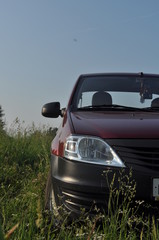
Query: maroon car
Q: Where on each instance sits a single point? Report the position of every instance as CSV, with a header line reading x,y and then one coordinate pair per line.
x,y
111,123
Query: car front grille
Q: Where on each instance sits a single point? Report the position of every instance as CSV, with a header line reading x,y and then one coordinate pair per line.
x,y
140,154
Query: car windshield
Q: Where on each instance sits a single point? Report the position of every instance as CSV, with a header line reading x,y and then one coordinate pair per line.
x,y
117,92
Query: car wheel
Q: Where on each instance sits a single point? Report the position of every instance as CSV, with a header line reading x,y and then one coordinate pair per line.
x,y
50,203
56,212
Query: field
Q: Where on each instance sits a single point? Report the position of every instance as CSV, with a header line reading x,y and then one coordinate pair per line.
x,y
24,164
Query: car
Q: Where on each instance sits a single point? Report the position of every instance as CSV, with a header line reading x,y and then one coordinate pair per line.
x,y
110,124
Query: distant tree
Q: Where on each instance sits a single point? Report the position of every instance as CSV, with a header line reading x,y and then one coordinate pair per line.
x,y
1,118
52,131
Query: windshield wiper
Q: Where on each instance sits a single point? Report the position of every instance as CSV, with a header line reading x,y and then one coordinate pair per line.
x,y
114,107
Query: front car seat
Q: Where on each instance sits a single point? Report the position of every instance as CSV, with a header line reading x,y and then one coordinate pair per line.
x,y
101,98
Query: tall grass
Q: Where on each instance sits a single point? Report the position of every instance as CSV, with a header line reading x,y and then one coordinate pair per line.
x,y
24,164
24,161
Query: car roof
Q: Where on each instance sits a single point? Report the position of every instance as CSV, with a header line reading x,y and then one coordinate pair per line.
x,y
139,74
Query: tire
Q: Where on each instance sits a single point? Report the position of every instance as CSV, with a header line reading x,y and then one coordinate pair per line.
x,y
50,203
56,212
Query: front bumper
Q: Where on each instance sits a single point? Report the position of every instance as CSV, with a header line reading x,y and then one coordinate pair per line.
x,y
80,185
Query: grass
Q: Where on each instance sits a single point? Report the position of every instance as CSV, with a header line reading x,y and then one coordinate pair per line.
x,y
24,164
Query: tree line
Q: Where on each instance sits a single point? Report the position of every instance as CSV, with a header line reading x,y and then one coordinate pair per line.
x,y
2,123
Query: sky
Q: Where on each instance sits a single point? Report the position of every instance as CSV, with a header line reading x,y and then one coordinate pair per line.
x,y
46,45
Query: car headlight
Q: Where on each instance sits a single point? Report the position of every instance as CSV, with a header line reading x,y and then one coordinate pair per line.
x,y
91,150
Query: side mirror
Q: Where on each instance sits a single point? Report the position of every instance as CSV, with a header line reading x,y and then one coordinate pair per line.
x,y
51,110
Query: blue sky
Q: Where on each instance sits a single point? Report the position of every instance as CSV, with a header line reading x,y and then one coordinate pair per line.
x,y
46,45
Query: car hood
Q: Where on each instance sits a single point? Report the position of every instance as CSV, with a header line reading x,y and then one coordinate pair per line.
x,y
116,124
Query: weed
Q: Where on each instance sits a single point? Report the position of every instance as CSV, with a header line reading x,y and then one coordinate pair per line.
x,y
24,164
